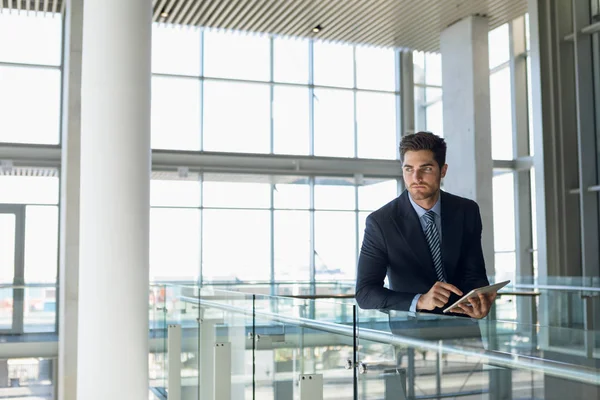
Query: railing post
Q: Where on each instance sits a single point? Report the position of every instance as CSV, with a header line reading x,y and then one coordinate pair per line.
x,y
311,387
174,359
222,382
207,357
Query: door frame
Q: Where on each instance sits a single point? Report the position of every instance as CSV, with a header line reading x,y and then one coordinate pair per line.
x,y
19,273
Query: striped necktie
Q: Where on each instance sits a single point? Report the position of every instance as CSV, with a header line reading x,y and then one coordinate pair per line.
x,y
433,240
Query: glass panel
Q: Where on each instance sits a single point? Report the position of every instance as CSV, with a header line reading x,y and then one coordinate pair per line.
x,y
335,245
28,190
419,67
6,299
530,107
174,244
375,68
290,120
362,220
333,64
27,92
236,55
504,212
335,194
40,310
433,69
290,59
232,191
175,113
41,244
506,266
501,115
292,194
499,46
35,38
435,118
175,193
376,121
236,117
292,245
28,378
375,193
157,315
175,49
334,123
7,256
249,231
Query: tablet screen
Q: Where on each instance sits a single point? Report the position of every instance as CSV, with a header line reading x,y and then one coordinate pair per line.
x,y
484,289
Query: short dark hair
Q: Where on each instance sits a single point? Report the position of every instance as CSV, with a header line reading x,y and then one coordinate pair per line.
x,y
424,141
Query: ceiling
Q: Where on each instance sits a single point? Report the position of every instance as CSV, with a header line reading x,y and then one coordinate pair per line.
x,y
407,24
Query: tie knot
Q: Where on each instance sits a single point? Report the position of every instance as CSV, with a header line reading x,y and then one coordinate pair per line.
x,y
430,216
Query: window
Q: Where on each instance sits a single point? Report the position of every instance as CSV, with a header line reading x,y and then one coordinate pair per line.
x,y
236,117
335,245
290,59
175,113
375,69
175,193
376,123
501,115
504,225
375,193
333,64
499,46
294,193
335,194
235,191
291,120
28,190
236,55
334,123
182,59
427,72
292,245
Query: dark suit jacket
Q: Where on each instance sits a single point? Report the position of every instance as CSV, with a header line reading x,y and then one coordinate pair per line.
x,y
394,244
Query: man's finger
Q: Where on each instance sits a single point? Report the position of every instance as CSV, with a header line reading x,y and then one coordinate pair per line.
x,y
466,310
441,299
450,287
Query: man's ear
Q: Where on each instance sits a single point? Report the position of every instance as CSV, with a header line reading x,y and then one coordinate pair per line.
x,y
444,170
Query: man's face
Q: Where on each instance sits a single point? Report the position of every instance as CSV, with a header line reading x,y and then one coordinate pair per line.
x,y
422,175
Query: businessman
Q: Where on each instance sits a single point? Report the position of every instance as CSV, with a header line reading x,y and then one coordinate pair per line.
x,y
427,241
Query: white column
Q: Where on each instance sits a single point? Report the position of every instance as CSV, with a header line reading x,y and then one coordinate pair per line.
x,y
69,203
115,180
467,130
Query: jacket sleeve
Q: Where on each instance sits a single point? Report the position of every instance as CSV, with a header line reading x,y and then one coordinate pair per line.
x,y
474,275
372,269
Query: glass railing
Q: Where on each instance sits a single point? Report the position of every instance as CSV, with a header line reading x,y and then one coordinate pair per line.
x,y
257,346
29,308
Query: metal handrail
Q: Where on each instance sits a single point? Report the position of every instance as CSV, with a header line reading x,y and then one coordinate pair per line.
x,y
548,367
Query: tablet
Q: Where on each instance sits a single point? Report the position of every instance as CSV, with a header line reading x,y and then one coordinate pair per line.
x,y
475,292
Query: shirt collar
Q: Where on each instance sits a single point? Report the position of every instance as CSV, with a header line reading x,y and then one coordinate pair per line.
x,y
437,208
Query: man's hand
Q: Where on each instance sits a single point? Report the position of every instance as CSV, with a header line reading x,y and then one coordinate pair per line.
x,y
437,296
479,306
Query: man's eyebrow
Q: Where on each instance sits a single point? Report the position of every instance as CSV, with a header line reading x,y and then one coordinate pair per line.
x,y
420,166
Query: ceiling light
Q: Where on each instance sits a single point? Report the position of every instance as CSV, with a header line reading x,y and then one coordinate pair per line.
x,y
164,14
317,29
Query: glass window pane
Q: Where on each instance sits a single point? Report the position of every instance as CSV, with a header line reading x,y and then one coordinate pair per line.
x,y
335,194
236,117
434,114
335,245
501,115
418,67
295,194
290,59
506,266
174,193
290,120
228,191
375,68
175,113
174,244
30,38
28,190
334,123
175,49
433,68
529,106
236,55
249,232
499,47
375,193
504,212
333,64
376,122
29,105
362,222
8,223
41,244
292,245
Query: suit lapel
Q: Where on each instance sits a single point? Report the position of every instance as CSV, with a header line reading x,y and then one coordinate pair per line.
x,y
452,224
408,224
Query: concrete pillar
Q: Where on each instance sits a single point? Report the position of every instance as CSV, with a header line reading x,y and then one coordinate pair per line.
x,y
112,358
69,202
466,97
